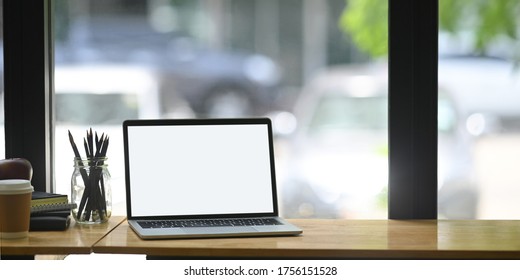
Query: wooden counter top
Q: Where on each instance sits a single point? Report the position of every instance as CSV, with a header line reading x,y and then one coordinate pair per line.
x,y
341,239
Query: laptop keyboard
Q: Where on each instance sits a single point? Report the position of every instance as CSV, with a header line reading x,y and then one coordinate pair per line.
x,y
209,223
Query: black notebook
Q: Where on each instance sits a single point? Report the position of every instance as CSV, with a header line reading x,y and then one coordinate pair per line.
x,y
46,202
45,198
49,223
53,207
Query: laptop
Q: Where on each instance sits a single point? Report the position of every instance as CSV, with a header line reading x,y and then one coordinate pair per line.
x,y
193,178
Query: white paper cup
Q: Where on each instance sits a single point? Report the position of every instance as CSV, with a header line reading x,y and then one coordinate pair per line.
x,y
15,208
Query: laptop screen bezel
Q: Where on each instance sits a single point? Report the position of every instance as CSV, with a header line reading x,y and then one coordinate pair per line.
x,y
200,122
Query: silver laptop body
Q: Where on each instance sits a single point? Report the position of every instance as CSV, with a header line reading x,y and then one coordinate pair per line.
x,y
192,178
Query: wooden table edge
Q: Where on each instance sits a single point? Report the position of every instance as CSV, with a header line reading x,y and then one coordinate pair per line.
x,y
60,250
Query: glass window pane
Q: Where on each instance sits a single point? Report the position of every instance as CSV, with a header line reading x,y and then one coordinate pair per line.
x,y
479,76
2,131
295,61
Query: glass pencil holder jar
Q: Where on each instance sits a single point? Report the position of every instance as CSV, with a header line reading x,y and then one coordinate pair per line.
x,y
91,190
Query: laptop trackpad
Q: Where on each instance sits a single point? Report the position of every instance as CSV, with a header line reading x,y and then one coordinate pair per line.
x,y
218,230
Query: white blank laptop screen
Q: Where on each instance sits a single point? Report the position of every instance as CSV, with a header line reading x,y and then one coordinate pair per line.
x,y
199,170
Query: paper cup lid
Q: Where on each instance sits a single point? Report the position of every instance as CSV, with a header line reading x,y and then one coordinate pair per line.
x,y
15,186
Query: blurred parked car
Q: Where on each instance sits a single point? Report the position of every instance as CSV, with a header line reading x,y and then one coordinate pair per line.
x,y
221,83
486,90
337,163
215,83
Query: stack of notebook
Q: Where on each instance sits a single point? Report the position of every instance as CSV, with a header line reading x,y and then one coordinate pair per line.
x,y
50,211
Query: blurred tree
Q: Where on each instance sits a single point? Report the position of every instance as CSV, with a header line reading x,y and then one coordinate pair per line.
x,y
366,21
486,21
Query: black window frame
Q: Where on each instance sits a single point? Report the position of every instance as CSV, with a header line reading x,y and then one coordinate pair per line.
x,y
413,58
28,86
413,94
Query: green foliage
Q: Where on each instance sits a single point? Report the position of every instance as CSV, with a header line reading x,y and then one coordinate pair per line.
x,y
367,22
486,20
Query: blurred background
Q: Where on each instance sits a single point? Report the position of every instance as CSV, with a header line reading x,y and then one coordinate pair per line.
x,y
319,70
